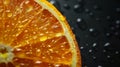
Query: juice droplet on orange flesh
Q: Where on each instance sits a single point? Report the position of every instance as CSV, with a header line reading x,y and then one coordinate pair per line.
x,y
52,51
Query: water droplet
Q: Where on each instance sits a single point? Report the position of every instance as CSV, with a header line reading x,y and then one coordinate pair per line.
x,y
90,51
52,1
106,44
104,51
30,8
79,20
77,8
108,56
96,7
73,29
116,52
34,32
35,37
27,1
81,24
99,66
94,44
6,2
117,21
43,38
87,10
81,48
18,49
86,44
58,34
112,28
108,18
7,25
66,6
38,62
117,9
57,65
9,14
22,64
93,32
91,29
94,57
51,50
108,34
97,19
91,14
85,66
116,33
26,31
43,57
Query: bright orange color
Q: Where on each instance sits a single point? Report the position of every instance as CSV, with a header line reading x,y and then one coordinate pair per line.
x,y
34,34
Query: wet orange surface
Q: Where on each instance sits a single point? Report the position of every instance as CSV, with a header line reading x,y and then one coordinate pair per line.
x,y
34,35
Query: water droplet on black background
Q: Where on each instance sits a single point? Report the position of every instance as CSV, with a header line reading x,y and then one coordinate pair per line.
x,y
96,24
97,19
93,32
91,14
77,8
96,7
108,17
117,21
108,34
117,9
66,6
87,10
81,24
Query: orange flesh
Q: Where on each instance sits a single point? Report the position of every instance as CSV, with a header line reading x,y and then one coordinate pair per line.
x,y
35,35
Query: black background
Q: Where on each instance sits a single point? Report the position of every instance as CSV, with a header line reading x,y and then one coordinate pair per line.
x,y
96,24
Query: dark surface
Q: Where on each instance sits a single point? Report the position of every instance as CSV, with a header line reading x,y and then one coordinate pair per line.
x,y
96,24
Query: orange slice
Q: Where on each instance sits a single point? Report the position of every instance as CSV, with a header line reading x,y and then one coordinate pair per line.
x,y
33,33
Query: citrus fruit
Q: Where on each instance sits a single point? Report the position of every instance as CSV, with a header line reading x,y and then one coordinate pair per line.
x,y
33,33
